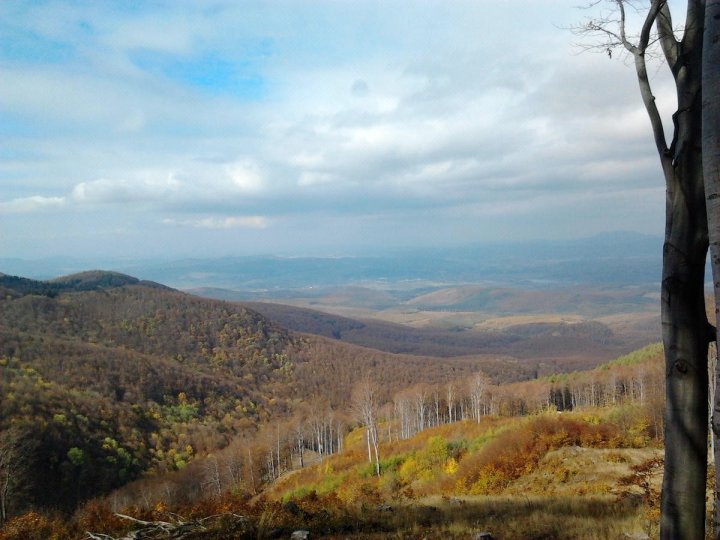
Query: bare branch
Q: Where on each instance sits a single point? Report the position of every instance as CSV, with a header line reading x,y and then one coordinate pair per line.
x,y
650,106
98,536
612,28
652,14
623,35
163,530
666,36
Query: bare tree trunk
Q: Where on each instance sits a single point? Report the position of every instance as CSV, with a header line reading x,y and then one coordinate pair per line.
x,y
212,480
685,326
277,427
367,436
252,474
711,173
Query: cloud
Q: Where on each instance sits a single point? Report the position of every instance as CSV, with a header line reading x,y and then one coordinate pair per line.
x,y
409,111
247,176
314,178
233,222
106,191
35,203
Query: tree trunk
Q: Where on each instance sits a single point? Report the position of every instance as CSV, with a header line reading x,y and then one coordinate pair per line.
x,y
711,173
684,321
367,434
376,444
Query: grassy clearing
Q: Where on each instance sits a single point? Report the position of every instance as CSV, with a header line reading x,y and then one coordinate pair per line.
x,y
593,474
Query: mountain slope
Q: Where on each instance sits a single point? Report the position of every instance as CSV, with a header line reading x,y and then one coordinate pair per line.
x,y
561,344
107,377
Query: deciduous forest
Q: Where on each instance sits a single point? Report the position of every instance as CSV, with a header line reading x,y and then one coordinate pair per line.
x,y
122,398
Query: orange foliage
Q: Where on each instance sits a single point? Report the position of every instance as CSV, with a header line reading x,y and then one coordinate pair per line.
x,y
97,516
35,526
518,451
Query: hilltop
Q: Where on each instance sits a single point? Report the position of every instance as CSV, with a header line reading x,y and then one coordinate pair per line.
x,y
113,384
83,281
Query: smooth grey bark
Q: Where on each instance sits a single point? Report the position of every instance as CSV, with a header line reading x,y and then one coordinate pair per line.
x,y
686,332
685,329
711,173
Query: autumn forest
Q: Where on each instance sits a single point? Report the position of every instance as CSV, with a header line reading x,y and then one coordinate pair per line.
x,y
127,398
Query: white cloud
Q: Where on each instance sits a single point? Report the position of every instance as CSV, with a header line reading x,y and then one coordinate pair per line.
x,y
247,176
233,222
401,112
31,204
149,187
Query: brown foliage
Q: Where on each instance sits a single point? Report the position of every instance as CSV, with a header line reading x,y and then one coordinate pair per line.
x,y
36,526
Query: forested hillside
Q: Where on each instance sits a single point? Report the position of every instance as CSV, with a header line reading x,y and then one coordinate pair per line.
x,y
105,377
550,343
574,456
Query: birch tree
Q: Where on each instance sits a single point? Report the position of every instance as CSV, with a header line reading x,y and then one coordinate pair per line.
x,y
477,387
365,405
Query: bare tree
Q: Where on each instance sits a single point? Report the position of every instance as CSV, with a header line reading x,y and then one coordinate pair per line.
x,y
685,329
232,464
451,401
365,405
477,387
402,414
14,452
419,400
212,478
299,433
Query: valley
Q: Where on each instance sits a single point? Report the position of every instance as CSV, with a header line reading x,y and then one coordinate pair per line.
x,y
550,329
125,395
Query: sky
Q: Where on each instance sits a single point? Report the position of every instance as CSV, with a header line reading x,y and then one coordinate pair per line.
x,y
294,127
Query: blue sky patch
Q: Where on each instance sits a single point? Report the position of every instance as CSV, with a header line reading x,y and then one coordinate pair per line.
x,y
209,72
27,47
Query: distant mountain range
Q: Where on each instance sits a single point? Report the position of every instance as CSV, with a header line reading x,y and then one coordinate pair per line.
x,y
617,258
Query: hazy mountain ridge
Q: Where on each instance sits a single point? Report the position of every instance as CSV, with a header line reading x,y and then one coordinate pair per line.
x,y
612,258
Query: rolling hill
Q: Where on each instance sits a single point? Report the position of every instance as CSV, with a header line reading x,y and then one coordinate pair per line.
x,y
106,377
547,342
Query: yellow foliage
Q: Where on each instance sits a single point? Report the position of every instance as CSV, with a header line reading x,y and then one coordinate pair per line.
x,y
451,466
409,470
591,419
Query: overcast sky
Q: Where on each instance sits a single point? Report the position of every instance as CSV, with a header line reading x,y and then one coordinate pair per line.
x,y
312,127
